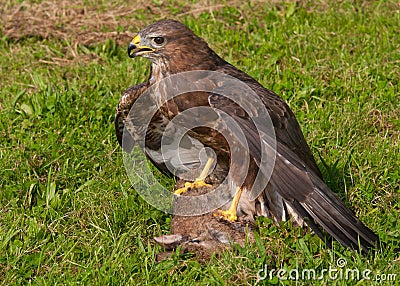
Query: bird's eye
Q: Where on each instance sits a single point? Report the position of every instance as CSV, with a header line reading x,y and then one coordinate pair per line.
x,y
158,40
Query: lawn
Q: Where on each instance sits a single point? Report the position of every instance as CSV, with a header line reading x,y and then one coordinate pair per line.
x,y
68,213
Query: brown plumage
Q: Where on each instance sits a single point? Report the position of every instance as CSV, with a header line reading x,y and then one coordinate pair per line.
x,y
189,148
296,187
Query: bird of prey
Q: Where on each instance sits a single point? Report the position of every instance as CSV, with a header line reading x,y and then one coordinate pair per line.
x,y
295,188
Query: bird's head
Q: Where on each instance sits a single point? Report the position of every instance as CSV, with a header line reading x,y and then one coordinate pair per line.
x,y
170,43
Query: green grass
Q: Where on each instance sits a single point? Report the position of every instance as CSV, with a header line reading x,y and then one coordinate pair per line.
x,y
68,213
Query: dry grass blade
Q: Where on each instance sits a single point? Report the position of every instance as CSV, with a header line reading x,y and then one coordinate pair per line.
x,y
68,20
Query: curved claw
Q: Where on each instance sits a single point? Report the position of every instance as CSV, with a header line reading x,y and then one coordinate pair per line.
x,y
231,214
228,215
189,185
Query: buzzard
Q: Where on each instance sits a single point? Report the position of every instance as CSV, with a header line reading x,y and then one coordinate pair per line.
x,y
295,187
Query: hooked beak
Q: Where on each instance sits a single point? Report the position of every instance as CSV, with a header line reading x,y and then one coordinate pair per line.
x,y
135,49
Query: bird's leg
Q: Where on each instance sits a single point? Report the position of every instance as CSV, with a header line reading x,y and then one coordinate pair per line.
x,y
230,214
199,182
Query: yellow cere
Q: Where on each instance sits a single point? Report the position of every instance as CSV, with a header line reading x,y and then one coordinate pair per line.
x,y
136,40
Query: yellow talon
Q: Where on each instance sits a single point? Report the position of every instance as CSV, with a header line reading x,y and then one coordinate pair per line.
x,y
199,182
196,184
230,214
226,215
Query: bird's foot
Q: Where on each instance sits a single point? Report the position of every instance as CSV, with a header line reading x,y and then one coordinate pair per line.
x,y
188,185
231,214
228,215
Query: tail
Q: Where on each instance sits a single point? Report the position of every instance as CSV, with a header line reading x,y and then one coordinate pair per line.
x,y
305,195
323,208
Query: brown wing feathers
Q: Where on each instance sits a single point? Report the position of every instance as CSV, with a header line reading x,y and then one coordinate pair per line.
x,y
304,190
